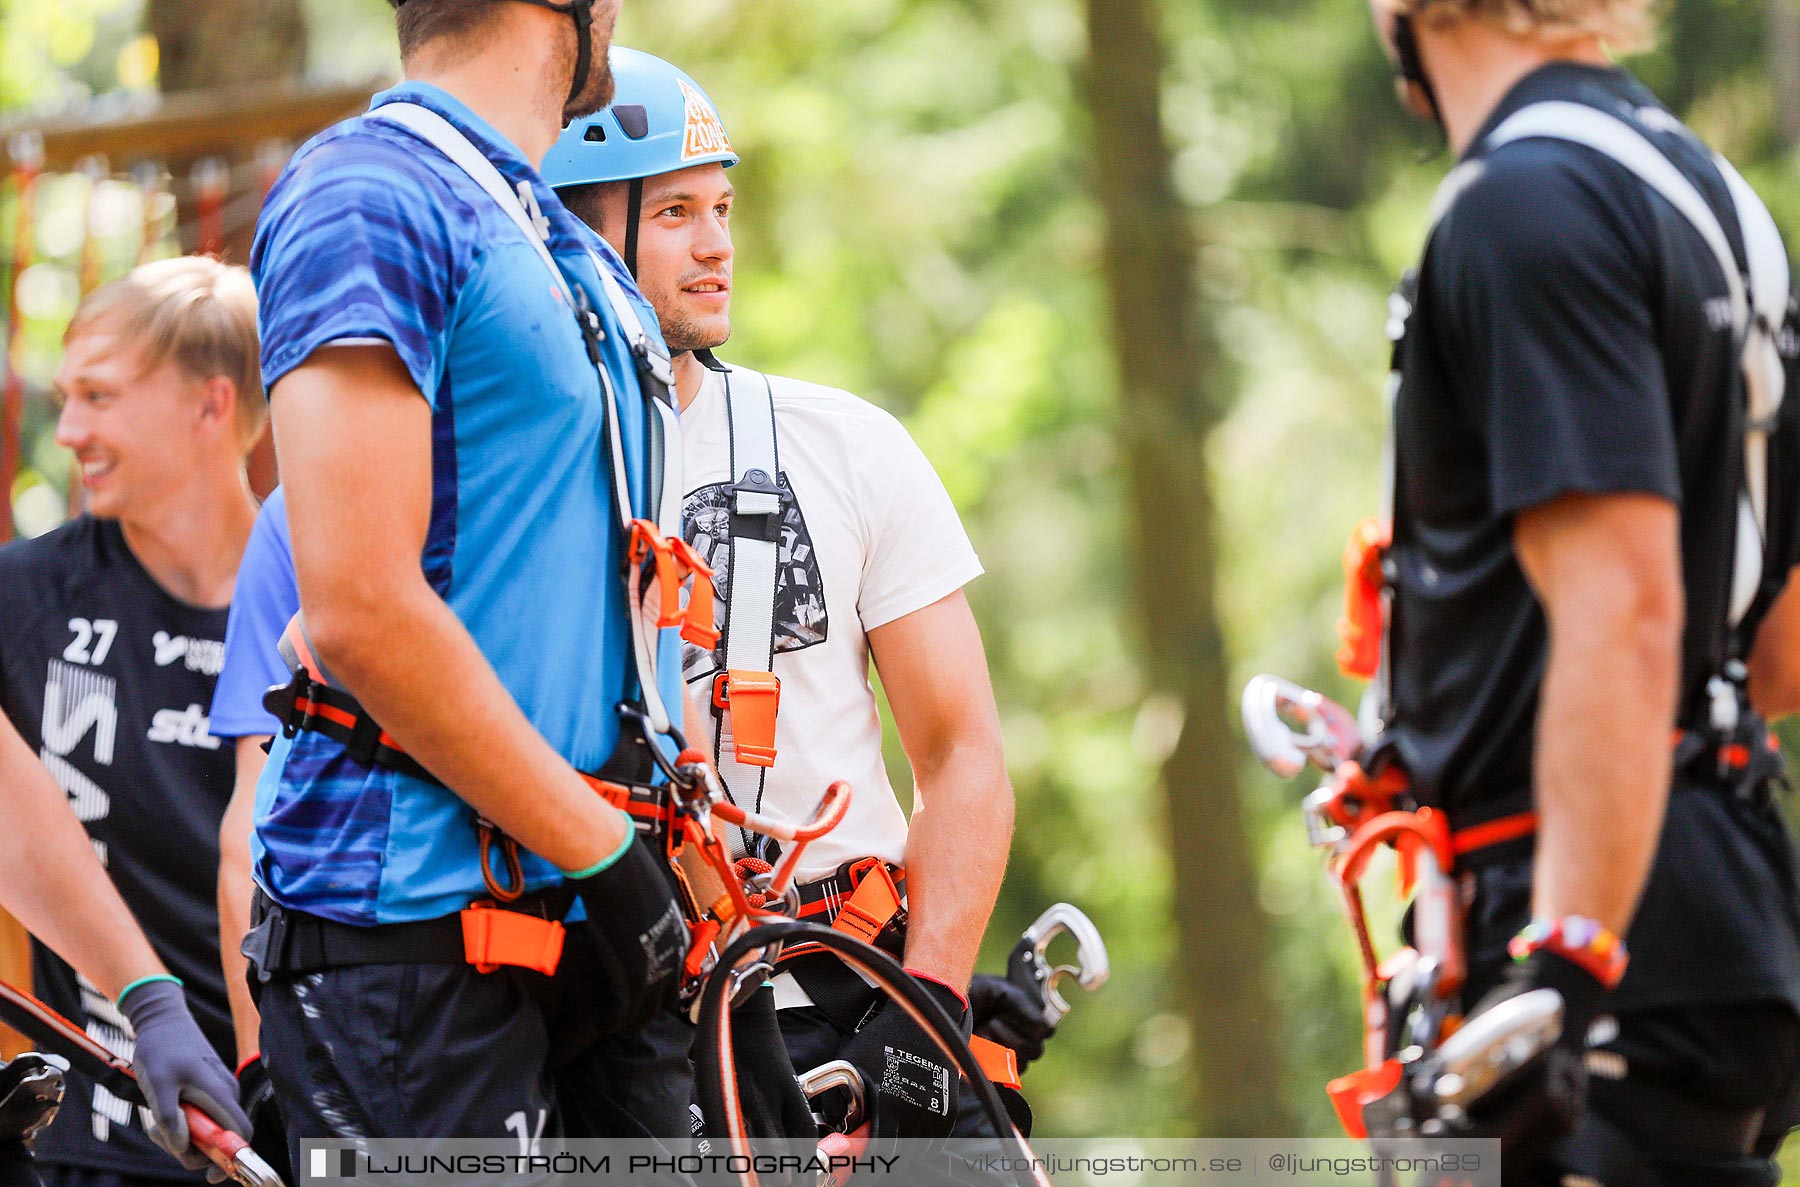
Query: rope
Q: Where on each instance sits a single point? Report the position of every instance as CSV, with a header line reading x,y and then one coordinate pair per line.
x,y
747,868
720,1105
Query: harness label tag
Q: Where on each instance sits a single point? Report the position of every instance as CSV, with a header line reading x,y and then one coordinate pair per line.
x,y
919,1082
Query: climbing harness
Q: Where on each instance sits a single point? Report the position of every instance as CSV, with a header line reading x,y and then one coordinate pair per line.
x,y
747,960
1765,341
746,694
1423,1066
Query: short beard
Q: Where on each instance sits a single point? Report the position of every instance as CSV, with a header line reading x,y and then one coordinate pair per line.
x,y
684,337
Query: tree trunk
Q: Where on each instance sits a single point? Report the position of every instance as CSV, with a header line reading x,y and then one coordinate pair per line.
x,y
209,44
1782,22
204,44
1165,359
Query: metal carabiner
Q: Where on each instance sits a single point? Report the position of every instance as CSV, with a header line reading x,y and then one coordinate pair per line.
x,y
1029,965
836,1074
1289,726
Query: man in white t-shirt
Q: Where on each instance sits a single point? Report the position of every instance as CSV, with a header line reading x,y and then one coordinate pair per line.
x,y
834,542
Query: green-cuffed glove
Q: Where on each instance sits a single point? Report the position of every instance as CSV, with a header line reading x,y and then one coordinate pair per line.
x,y
174,1064
641,940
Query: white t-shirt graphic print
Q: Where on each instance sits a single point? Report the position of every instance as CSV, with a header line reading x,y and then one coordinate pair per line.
x,y
869,535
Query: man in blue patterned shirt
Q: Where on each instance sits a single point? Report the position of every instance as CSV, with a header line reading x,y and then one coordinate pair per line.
x,y
444,346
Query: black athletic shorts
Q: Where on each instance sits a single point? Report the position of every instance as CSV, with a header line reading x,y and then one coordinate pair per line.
x,y
15,1166
440,1050
1697,1092
58,1175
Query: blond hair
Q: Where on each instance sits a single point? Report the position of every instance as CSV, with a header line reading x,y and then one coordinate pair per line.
x,y
1624,26
191,311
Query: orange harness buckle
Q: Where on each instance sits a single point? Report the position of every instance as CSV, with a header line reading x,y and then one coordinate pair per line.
x,y
493,938
754,699
699,624
871,906
676,560
647,541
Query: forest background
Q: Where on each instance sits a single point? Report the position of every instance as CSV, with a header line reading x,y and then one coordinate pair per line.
x,y
1121,266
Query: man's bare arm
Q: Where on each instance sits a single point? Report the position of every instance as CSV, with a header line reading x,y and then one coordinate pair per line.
x,y
936,677
355,442
52,883
234,894
1775,659
1606,569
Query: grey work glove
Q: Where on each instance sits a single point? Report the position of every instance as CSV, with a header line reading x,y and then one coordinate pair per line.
x,y
175,1063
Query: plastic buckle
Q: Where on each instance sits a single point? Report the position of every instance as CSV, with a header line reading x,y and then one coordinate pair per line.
x,y
647,541
365,739
756,525
493,938
651,361
265,944
870,907
281,701
699,622
753,699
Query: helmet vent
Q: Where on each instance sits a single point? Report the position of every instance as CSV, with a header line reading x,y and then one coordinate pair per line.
x,y
634,121
595,134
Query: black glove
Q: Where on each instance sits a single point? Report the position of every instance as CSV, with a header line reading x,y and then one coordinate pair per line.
x,y
909,1085
1541,1102
175,1063
1010,1016
256,1093
774,1106
641,939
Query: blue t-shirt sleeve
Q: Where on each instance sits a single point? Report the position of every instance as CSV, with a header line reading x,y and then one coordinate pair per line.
x,y
265,599
356,242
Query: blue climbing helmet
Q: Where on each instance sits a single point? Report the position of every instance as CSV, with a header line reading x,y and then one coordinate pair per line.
x,y
659,121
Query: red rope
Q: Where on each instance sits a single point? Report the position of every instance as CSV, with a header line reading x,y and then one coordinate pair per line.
x,y
746,867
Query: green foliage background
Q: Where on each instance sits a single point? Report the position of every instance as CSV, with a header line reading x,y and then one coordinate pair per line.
x,y
915,224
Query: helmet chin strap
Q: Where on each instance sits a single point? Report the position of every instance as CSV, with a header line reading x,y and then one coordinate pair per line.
x,y
582,11
634,201
1411,66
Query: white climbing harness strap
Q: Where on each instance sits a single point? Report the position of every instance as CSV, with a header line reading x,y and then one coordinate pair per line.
x,y
665,455
747,694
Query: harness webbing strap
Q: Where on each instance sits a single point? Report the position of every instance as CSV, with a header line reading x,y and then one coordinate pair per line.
x,y
653,367
747,694
1759,291
1464,841
1757,303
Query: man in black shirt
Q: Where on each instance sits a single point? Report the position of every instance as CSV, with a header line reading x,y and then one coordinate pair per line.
x,y
51,880
112,632
1569,451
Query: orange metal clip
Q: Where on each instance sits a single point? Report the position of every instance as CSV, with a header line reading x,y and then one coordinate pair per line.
x,y
1349,1094
753,699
